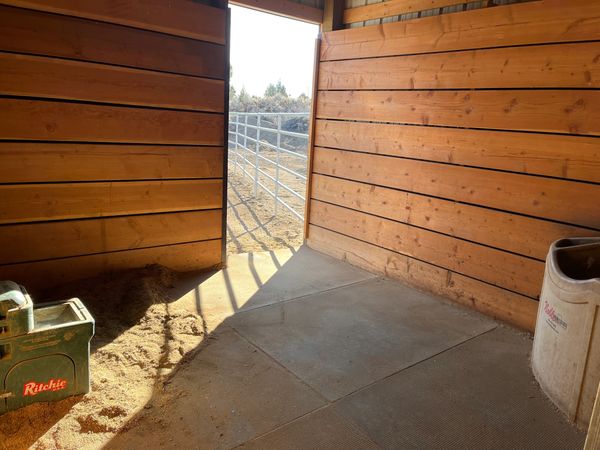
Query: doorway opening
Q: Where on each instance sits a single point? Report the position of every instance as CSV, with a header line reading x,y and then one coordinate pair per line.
x,y
272,65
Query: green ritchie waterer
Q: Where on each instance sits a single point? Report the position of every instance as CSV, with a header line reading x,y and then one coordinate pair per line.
x,y
44,349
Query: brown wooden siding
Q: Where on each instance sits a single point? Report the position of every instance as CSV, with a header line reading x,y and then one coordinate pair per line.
x,y
450,151
368,11
184,18
538,22
111,137
360,13
38,33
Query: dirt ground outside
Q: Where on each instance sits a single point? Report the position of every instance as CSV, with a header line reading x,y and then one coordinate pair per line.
x,y
251,221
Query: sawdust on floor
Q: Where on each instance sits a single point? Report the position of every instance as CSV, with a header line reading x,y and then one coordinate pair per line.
x,y
140,338
141,335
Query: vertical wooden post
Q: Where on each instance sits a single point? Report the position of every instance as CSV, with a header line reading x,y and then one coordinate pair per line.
x,y
225,138
311,136
223,4
333,15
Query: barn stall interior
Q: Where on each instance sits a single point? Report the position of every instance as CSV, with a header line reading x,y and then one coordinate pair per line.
x,y
451,144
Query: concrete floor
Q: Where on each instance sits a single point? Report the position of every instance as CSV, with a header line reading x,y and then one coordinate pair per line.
x,y
306,352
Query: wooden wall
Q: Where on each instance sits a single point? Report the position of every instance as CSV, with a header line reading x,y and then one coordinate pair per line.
x,y
111,137
361,13
450,151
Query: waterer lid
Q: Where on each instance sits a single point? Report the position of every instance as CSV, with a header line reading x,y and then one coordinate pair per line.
x,y
16,310
11,296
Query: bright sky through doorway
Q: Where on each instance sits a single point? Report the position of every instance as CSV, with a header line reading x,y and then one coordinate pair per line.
x,y
266,48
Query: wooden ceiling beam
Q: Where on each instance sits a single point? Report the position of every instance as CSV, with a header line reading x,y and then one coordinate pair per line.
x,y
285,8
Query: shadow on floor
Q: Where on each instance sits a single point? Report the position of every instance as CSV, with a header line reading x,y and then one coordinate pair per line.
x,y
303,351
252,224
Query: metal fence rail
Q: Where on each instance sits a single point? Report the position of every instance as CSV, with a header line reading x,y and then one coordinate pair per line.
x,y
253,133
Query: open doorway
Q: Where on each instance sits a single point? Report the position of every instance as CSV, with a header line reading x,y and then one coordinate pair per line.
x,y
272,66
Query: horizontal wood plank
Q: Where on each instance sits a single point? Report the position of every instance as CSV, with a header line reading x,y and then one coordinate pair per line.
x,y
511,232
31,162
49,240
64,121
33,32
535,196
55,201
540,66
34,76
451,150
513,272
513,308
547,21
43,275
390,8
285,8
181,18
572,157
135,181
556,111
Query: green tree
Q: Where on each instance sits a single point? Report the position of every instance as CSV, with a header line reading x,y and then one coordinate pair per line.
x,y
276,89
244,97
279,101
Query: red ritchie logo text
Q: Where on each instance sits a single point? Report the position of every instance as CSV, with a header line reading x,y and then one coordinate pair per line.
x,y
32,388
